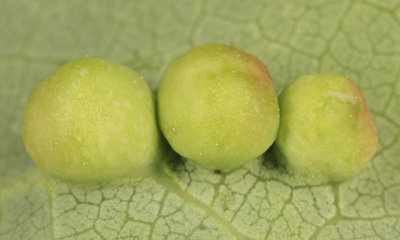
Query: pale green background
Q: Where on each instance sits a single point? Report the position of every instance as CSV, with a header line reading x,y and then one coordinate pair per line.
x,y
360,39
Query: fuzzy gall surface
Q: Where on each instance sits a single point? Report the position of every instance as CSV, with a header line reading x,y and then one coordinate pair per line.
x,y
91,120
217,106
326,129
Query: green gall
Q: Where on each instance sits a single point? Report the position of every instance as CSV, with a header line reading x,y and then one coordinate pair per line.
x,y
217,106
91,120
326,129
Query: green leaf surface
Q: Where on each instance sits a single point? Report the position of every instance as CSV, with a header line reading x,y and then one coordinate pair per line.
x,y
179,200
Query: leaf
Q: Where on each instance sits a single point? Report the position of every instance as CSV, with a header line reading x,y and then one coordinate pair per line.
x,y
180,200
